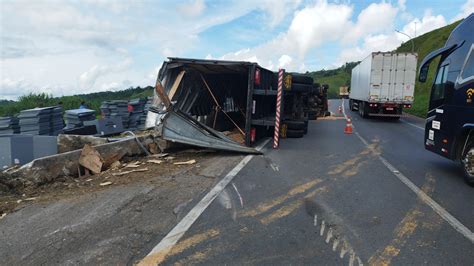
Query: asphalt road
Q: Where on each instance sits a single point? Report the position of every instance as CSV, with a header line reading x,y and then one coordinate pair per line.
x,y
371,197
334,198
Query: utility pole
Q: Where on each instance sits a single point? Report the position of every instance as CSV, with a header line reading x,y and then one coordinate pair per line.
x,y
415,29
412,42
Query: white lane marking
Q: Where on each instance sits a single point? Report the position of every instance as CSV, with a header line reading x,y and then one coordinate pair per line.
x,y
411,124
183,226
455,223
274,167
329,236
315,221
334,244
238,194
323,226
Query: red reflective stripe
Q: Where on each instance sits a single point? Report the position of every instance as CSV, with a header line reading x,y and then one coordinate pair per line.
x,y
276,134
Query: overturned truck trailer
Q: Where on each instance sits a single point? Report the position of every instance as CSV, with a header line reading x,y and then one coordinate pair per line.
x,y
233,101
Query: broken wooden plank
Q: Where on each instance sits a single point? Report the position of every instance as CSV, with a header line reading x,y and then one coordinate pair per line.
x,y
131,171
90,159
186,162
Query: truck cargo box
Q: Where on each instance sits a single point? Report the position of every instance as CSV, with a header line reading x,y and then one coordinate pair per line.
x,y
385,78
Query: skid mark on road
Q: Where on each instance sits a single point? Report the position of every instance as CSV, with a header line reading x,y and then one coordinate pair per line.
x,y
265,206
290,207
181,246
408,226
351,167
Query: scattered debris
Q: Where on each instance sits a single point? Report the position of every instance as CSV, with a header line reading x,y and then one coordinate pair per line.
x,y
115,165
105,184
90,158
30,199
133,165
89,180
155,161
3,215
186,162
159,155
169,158
153,148
131,171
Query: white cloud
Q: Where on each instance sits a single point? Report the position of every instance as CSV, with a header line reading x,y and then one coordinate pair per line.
x,y
310,27
278,10
390,40
88,79
377,17
402,5
466,10
428,23
192,8
284,61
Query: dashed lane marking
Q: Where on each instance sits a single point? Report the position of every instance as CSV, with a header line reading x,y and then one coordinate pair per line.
x,y
170,240
334,241
411,124
451,220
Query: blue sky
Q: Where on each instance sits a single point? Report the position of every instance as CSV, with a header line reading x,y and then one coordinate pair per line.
x,y
82,46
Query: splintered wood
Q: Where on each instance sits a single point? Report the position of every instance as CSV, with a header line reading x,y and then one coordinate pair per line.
x,y
90,158
131,171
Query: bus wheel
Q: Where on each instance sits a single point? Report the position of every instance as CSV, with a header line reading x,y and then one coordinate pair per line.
x,y
468,164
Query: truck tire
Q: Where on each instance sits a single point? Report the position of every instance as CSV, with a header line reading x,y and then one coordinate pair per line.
x,y
302,79
467,162
299,87
312,115
291,133
363,110
351,105
294,124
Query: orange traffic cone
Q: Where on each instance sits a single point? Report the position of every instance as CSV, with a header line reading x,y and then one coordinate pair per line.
x,y
348,128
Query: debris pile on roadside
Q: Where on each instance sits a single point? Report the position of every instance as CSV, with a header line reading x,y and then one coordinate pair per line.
x,y
9,125
116,109
41,121
137,108
75,118
89,169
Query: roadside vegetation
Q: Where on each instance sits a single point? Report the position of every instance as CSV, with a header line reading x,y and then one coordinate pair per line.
x,y
92,100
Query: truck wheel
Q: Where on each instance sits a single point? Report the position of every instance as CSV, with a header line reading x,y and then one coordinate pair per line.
x,y
362,110
291,133
303,79
351,105
294,124
467,162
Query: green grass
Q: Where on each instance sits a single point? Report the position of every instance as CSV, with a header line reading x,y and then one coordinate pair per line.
x,y
92,100
335,78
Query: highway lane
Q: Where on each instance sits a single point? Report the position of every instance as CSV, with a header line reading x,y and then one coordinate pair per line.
x,y
402,145
327,198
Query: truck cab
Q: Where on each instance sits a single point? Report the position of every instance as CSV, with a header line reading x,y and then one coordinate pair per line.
x,y
449,129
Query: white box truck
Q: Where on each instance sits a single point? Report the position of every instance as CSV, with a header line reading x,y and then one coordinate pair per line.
x,y
383,84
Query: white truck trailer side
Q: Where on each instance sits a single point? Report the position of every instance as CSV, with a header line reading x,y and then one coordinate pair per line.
x,y
383,84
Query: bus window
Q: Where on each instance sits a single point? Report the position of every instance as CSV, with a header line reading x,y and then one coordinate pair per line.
x,y
439,85
468,70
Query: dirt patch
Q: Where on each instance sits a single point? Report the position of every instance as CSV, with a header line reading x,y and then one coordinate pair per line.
x,y
155,169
